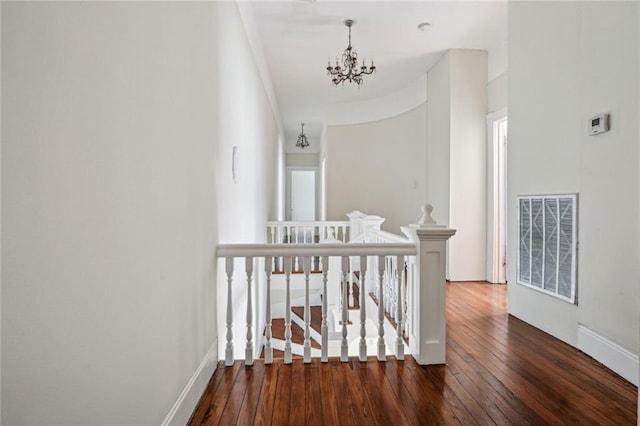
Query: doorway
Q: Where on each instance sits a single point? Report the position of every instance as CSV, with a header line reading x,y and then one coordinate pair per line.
x,y
302,184
497,197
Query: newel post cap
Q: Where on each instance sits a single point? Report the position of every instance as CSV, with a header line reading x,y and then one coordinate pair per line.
x,y
356,214
427,228
427,219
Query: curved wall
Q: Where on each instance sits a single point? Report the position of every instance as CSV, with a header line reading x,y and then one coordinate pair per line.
x,y
370,110
378,168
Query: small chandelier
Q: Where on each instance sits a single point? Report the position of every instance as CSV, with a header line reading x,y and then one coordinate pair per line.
x,y
302,142
349,69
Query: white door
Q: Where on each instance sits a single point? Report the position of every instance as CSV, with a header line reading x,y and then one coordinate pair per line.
x,y
303,195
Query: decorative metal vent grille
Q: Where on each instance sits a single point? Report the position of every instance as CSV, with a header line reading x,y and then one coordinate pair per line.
x,y
547,248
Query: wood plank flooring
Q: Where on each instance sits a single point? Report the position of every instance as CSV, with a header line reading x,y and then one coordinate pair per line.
x,y
499,371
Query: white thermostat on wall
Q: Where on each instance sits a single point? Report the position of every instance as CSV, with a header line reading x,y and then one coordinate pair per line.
x,y
599,124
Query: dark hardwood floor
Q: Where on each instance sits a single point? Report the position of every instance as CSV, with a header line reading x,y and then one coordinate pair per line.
x,y
499,371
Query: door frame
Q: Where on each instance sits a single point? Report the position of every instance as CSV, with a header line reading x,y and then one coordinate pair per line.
x,y
496,200
288,170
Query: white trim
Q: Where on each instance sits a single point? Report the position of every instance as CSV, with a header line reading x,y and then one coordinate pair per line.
x,y
188,399
608,353
366,111
496,115
496,208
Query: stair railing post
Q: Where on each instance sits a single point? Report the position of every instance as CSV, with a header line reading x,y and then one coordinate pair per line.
x,y
355,228
428,298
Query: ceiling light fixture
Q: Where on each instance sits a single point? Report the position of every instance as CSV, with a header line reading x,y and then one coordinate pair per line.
x,y
349,69
302,142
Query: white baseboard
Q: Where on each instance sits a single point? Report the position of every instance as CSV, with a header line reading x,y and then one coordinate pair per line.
x,y
195,387
608,353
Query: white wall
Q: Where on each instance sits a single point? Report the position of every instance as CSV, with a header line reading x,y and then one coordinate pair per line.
x,y
119,121
497,93
585,62
438,137
247,120
468,165
302,160
108,208
323,173
378,168
0,223
456,157
380,108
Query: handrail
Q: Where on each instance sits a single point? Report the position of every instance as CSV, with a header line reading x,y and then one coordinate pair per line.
x,y
308,232
328,249
310,223
385,236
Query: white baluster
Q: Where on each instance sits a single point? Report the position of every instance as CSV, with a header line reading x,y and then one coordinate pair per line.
x,y
388,293
385,297
344,353
352,302
306,266
248,358
408,293
287,312
228,358
268,350
296,265
408,283
399,342
391,274
324,328
381,349
363,313
344,233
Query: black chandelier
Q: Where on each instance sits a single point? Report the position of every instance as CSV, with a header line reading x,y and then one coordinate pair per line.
x,y
302,142
349,69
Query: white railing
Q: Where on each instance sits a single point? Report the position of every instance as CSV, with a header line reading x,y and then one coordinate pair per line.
x,y
407,275
306,251
307,232
395,307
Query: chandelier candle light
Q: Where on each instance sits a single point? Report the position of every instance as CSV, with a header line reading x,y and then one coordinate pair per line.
x,y
349,69
302,142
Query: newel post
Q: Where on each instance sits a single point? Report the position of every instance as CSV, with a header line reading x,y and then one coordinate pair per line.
x,y
355,227
428,334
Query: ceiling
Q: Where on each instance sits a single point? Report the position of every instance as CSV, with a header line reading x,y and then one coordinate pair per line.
x,y
299,37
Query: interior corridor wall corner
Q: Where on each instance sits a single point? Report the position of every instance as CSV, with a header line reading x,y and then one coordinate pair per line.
x,y
456,157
